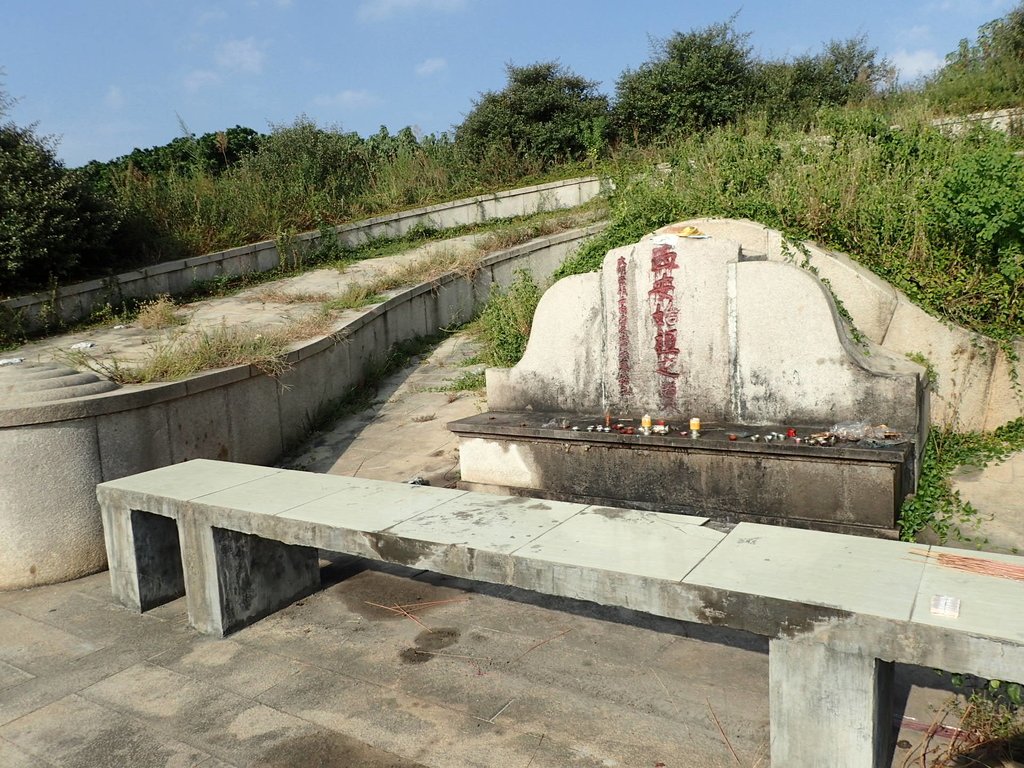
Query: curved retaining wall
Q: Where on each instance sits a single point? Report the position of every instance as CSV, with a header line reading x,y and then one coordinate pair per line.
x,y
76,302
55,453
973,387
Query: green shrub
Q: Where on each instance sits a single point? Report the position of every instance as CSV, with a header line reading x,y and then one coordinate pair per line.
x,y
694,80
985,74
938,216
51,225
976,206
936,503
504,325
545,114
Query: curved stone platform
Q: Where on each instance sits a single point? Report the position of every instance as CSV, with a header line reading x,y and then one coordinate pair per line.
x,y
34,383
57,451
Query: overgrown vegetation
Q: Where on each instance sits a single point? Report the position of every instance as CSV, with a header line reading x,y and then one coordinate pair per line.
x,y
544,115
987,73
503,327
158,313
203,349
936,504
988,727
940,217
51,223
469,381
224,188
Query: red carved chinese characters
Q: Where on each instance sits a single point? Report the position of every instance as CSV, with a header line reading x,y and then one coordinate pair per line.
x,y
624,362
665,316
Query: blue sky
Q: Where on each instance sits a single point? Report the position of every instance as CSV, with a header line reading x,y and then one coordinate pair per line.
x,y
105,76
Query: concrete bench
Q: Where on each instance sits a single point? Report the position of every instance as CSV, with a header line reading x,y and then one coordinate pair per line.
x,y
241,541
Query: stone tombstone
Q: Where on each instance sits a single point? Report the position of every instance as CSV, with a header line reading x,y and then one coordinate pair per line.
x,y
679,326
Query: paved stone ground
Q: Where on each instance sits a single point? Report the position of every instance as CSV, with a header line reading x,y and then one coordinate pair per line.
x,y
403,434
499,678
482,676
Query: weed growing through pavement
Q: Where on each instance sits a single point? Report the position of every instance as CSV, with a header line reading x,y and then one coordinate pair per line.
x,y
936,504
467,382
364,395
158,313
989,730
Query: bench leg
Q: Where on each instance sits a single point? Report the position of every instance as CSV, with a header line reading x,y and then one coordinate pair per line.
x,y
232,579
828,708
143,556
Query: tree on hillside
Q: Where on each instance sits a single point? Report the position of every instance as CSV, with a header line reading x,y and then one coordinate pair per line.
x,y
694,80
50,222
847,71
986,74
545,113
212,153
382,146
850,71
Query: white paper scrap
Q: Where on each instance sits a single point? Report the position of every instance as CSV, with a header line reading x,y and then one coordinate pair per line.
x,y
944,605
670,240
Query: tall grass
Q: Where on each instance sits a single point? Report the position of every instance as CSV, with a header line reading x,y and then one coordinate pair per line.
x,y
302,178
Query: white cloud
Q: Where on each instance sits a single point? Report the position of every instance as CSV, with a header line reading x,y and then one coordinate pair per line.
x,y
240,56
969,6
917,34
114,98
430,66
211,16
349,99
379,10
914,64
200,78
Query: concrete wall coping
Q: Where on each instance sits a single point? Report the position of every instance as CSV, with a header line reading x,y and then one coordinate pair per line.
x,y
74,302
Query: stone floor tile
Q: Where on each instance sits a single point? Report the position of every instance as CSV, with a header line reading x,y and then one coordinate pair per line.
x,y
11,675
231,727
235,667
33,647
76,733
14,757
65,676
97,619
213,762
